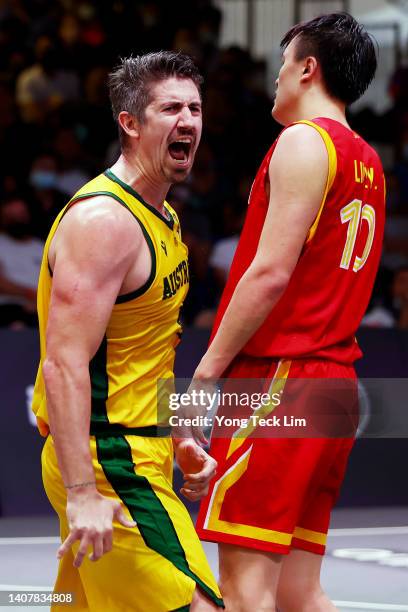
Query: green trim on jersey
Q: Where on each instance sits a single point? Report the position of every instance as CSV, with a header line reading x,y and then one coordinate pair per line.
x,y
116,429
135,491
99,384
182,609
169,222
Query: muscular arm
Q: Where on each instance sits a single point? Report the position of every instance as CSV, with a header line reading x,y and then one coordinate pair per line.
x,y
298,173
91,254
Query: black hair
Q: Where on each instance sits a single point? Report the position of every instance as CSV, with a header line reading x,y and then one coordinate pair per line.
x,y
130,82
344,50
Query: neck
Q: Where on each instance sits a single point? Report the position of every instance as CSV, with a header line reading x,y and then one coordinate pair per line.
x,y
315,104
131,170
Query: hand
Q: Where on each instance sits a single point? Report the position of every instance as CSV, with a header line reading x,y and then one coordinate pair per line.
x,y
197,466
90,518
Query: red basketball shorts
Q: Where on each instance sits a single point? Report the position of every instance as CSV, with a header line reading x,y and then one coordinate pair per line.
x,y
274,489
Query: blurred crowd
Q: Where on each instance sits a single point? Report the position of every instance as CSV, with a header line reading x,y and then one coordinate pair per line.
x,y
57,132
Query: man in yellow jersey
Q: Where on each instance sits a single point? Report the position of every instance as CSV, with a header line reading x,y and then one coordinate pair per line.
x,y
113,279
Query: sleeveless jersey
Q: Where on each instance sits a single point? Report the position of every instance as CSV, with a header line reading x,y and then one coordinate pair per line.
x,y
138,347
331,285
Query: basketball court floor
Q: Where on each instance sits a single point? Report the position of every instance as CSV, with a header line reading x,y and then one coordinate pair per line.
x,y
366,567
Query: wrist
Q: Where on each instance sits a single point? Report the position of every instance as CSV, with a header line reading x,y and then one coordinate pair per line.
x,y
177,440
212,365
209,371
86,487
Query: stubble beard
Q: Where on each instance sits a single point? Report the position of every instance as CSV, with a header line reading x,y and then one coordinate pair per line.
x,y
178,176
174,176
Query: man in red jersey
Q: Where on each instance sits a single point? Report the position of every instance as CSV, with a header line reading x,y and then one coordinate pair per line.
x,y
298,288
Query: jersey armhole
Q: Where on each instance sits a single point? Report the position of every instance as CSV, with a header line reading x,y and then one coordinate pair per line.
x,y
331,175
137,292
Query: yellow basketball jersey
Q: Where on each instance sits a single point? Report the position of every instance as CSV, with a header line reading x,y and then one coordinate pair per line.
x,y
138,348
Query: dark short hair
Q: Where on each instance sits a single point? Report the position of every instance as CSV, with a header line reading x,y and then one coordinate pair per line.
x,y
131,81
344,50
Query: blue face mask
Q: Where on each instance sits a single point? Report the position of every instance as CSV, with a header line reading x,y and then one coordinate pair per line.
x,y
43,179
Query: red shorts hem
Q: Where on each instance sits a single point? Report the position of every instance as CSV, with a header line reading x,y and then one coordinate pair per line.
x,y
318,549
226,538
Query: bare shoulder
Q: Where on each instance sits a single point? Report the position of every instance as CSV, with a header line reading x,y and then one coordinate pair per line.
x,y
100,215
301,142
98,225
300,161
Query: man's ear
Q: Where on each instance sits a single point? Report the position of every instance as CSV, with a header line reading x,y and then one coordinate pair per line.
x,y
129,124
310,67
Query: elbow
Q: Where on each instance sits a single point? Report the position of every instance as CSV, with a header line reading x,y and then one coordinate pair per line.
x,y
58,364
273,283
50,369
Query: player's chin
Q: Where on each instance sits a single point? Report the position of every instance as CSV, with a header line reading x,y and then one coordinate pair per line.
x,y
278,114
178,175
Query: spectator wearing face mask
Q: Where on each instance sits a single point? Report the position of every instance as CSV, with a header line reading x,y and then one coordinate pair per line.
x,y
20,259
74,161
47,197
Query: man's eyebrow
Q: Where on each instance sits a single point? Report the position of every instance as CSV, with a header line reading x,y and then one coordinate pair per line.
x,y
168,101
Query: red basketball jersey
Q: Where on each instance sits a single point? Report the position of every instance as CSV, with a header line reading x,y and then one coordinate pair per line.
x,y
331,285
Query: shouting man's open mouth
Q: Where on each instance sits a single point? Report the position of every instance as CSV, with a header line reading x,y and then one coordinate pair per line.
x,y
180,150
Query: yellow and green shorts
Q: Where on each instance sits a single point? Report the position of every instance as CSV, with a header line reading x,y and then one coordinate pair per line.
x,y
153,567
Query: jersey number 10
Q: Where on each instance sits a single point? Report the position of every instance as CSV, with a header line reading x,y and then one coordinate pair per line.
x,y
354,214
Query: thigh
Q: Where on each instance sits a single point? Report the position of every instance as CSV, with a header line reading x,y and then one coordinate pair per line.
x,y
299,588
300,568
259,568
